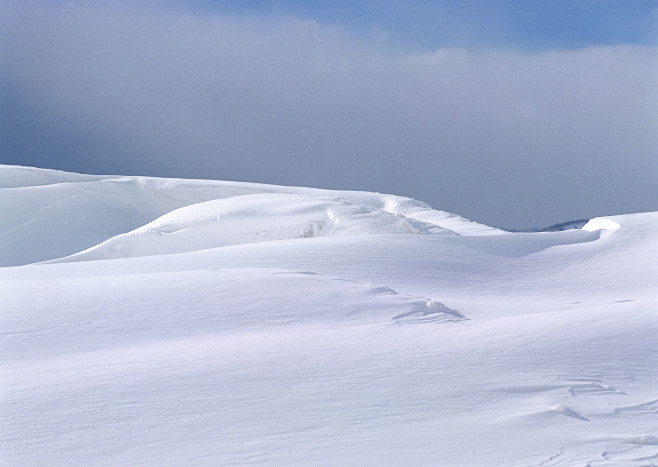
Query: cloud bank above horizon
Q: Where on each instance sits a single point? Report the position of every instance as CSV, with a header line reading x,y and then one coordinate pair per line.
x,y
508,137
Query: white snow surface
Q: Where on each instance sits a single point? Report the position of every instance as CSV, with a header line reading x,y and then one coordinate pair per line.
x,y
151,321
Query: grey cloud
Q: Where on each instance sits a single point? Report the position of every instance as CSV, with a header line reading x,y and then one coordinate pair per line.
x,y
506,138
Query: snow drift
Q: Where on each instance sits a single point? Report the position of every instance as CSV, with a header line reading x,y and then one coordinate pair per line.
x,y
253,218
49,214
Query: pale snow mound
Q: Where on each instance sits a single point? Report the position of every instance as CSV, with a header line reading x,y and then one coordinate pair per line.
x,y
253,218
49,214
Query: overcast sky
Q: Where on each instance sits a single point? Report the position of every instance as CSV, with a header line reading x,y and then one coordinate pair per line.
x,y
512,113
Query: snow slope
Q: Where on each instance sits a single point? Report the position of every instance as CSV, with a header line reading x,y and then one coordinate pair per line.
x,y
203,323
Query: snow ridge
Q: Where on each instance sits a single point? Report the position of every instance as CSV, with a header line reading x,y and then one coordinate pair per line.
x,y
52,214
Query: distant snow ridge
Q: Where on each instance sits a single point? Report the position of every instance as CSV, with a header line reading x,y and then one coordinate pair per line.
x,y
569,225
566,226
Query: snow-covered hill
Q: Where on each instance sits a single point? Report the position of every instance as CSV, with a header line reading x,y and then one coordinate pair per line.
x,y
196,322
49,214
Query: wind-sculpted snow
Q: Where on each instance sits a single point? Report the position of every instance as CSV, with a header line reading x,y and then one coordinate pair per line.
x,y
253,218
49,214
226,323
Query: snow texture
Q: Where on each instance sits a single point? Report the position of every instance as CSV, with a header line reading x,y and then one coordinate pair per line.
x,y
152,321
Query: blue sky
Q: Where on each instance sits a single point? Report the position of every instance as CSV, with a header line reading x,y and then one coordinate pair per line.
x,y
512,113
428,24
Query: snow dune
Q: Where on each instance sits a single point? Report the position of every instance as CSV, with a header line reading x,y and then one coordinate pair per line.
x,y
49,214
253,218
197,322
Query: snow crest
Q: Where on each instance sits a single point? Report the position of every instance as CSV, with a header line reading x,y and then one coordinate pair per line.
x,y
254,218
49,214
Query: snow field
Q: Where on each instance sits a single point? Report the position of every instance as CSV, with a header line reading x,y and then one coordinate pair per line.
x,y
394,334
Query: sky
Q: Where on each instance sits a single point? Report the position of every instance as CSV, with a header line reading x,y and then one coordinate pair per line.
x,y
517,114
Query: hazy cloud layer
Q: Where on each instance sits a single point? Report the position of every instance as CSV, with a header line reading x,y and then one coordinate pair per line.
x,y
507,138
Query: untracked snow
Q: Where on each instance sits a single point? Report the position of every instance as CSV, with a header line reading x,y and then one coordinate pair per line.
x,y
152,321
